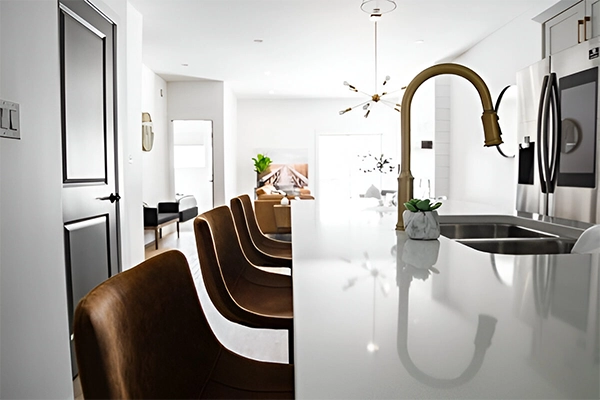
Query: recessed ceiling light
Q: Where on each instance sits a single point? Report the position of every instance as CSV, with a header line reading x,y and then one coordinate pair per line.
x,y
420,41
267,73
271,91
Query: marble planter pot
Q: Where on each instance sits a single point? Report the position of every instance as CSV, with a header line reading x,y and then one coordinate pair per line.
x,y
421,225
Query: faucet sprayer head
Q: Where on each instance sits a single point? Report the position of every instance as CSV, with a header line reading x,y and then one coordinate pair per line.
x,y
491,129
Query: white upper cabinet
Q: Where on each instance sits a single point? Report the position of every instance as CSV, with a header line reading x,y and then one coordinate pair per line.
x,y
564,30
592,9
568,23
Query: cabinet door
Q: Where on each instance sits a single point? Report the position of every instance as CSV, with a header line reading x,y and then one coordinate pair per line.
x,y
593,11
562,31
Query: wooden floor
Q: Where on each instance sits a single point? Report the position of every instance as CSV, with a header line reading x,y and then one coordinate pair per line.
x,y
259,344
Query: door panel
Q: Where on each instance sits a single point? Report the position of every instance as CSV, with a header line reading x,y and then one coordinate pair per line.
x,y
88,140
84,102
88,252
577,194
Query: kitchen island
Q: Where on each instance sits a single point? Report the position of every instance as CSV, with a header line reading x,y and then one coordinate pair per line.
x,y
380,316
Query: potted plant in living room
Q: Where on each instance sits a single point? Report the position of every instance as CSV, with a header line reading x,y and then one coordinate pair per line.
x,y
261,163
421,219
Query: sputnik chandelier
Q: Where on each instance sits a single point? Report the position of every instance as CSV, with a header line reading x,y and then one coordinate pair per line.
x,y
375,8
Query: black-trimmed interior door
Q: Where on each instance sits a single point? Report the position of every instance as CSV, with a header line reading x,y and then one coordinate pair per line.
x,y
90,187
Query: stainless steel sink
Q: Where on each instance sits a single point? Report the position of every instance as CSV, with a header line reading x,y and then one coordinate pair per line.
x,y
521,245
490,231
506,234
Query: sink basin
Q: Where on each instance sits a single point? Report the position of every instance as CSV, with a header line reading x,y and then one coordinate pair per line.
x,y
507,234
489,230
521,245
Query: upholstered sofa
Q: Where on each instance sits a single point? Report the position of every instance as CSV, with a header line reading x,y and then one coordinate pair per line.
x,y
271,220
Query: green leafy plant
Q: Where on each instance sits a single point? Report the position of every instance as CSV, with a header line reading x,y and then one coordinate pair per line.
x,y
261,163
416,205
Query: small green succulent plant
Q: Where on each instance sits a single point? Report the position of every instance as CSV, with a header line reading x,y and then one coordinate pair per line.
x,y
416,205
261,163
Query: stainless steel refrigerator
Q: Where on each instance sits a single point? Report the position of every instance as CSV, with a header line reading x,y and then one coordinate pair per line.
x,y
559,147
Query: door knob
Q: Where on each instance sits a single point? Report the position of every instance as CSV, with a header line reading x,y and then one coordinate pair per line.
x,y
113,197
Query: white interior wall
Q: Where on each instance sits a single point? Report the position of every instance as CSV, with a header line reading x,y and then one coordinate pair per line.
x,y
423,127
131,155
441,146
229,142
204,100
34,362
157,166
294,124
34,358
480,174
157,175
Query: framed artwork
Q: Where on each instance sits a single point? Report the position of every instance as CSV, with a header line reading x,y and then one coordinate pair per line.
x,y
288,171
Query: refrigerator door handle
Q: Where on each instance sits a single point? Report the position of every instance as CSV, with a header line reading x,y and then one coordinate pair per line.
x,y
556,135
542,126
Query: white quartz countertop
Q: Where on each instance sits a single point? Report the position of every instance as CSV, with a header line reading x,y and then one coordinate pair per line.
x,y
380,316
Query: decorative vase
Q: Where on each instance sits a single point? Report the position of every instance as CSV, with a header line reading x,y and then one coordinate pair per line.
x,y
421,225
259,182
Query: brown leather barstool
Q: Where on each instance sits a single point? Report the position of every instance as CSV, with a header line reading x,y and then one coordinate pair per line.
x,y
143,334
240,291
252,252
276,248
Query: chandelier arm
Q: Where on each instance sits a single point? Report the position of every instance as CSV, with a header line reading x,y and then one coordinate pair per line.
x,y
387,103
391,105
361,92
361,104
395,91
352,108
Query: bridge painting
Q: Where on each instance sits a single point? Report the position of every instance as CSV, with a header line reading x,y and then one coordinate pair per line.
x,y
285,176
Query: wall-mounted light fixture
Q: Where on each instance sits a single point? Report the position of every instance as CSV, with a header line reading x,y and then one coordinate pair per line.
x,y
147,133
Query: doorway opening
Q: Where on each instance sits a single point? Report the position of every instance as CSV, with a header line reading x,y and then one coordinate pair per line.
x,y
193,161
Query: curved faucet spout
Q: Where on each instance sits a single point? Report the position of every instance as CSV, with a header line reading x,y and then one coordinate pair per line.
x,y
489,119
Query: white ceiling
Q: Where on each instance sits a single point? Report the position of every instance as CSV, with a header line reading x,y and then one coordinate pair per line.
x,y
310,47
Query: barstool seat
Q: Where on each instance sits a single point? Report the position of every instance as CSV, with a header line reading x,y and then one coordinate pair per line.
x,y
240,291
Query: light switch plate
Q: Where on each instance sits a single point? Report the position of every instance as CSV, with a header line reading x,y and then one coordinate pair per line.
x,y
10,126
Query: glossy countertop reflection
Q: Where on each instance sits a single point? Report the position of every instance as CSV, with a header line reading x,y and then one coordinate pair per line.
x,y
380,316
